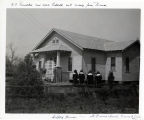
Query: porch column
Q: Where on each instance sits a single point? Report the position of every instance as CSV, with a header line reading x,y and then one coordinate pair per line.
x,y
58,59
44,60
58,69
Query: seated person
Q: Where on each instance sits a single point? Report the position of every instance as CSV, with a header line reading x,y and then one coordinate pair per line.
x,y
90,77
98,78
75,77
81,77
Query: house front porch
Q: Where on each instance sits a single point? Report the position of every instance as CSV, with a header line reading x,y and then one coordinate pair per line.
x,y
54,63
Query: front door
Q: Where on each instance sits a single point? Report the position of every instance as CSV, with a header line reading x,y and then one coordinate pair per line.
x,y
49,65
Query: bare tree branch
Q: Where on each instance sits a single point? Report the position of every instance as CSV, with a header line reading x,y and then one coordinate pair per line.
x,y
12,53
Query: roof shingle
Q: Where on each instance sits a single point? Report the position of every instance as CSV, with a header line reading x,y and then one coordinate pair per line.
x,y
84,41
89,42
113,46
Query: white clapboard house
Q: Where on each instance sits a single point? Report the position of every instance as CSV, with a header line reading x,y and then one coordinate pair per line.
x,y
60,52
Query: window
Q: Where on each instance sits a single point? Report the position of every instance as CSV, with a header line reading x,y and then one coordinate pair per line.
x,y
127,64
40,64
53,41
70,64
57,40
113,64
93,64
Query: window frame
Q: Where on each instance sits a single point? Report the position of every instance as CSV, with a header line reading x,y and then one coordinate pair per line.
x,y
93,64
55,40
113,63
70,64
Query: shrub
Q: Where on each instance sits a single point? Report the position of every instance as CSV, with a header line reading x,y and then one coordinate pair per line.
x,y
28,78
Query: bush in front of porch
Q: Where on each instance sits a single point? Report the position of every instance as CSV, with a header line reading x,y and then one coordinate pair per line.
x,y
27,79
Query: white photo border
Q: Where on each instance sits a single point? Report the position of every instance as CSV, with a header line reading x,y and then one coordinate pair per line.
x,y
110,4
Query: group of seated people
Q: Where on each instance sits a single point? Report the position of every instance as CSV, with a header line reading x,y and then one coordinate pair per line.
x,y
90,79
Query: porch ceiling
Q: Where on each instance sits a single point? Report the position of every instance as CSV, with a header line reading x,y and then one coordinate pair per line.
x,y
56,47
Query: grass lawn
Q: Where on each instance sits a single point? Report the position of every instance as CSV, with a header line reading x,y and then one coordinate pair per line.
x,y
102,101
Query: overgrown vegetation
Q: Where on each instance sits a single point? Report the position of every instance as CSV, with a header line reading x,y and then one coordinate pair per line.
x,y
11,60
28,78
77,103
25,79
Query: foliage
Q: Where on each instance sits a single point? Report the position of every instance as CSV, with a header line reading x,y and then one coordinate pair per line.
x,y
25,77
11,60
77,103
28,78
9,71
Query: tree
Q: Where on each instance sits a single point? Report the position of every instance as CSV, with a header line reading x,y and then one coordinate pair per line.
x,y
29,78
11,54
11,60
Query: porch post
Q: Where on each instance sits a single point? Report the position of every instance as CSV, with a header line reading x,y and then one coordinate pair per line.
x,y
58,59
44,60
58,69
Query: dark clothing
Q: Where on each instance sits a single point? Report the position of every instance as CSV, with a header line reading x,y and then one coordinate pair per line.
x,y
98,78
90,78
75,78
110,80
81,77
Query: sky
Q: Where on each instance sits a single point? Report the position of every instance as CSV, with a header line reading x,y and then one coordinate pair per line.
x,y
25,28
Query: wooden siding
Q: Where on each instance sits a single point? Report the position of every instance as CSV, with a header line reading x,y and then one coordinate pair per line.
x,y
82,60
100,61
134,63
118,65
41,57
76,54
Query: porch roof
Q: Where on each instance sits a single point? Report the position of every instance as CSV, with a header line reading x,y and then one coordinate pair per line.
x,y
56,47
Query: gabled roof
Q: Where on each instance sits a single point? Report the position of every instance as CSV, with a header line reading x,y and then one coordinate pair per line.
x,y
80,40
84,41
52,48
88,42
113,46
